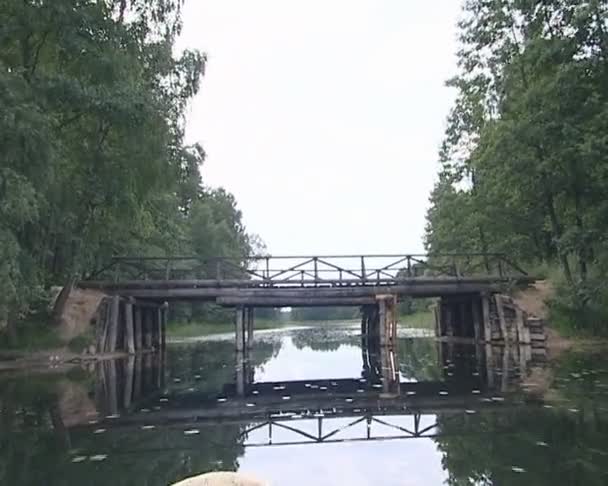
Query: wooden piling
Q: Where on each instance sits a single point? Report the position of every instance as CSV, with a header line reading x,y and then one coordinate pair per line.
x,y
147,317
383,328
102,325
250,321
137,318
487,324
476,318
112,386
129,329
129,381
501,317
165,319
158,327
239,330
112,342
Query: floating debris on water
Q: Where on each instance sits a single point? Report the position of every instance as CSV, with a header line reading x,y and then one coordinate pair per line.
x,y
443,393
192,432
79,458
98,457
286,397
250,405
542,444
476,392
517,469
99,431
498,399
410,393
221,399
148,427
112,417
470,412
164,399
348,400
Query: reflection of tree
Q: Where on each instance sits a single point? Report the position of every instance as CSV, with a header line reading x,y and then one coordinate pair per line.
x,y
482,449
322,339
418,359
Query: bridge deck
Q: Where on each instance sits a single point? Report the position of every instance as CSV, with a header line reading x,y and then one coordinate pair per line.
x,y
308,281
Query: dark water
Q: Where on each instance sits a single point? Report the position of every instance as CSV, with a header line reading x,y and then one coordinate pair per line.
x,y
313,407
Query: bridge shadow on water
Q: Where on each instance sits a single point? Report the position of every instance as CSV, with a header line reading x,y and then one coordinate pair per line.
x,y
153,419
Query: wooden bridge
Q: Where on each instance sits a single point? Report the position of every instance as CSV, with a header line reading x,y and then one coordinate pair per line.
x,y
463,282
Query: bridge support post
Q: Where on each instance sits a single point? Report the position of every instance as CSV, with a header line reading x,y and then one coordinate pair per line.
x,y
163,328
137,322
250,320
113,331
382,324
129,329
240,329
147,327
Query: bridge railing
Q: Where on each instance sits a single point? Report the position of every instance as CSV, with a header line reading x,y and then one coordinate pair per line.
x,y
332,270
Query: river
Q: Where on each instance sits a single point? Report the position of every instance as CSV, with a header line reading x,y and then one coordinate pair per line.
x,y
312,408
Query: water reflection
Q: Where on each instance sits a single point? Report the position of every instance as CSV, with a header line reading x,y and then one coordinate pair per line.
x,y
312,406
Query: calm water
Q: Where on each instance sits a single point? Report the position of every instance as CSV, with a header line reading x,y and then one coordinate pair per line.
x,y
313,407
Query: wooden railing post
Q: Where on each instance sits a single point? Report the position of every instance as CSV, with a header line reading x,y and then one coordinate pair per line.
x,y
409,266
363,274
316,264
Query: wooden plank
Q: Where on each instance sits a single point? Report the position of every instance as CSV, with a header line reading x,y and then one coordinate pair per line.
x,y
110,285
487,323
211,294
129,328
521,332
294,301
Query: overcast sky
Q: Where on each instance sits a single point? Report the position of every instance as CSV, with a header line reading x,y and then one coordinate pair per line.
x,y
324,117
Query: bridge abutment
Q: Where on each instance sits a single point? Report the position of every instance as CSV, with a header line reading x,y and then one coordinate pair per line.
x,y
125,324
490,318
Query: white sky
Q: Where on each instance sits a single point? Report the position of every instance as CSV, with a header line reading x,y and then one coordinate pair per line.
x,y
324,117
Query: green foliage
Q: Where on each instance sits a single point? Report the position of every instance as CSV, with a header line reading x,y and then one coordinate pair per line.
x,y
525,154
324,313
93,161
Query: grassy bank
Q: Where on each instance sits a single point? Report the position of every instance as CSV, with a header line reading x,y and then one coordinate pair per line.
x,y
196,329
418,320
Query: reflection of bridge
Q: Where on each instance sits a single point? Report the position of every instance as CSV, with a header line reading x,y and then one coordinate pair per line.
x,y
373,282
328,410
